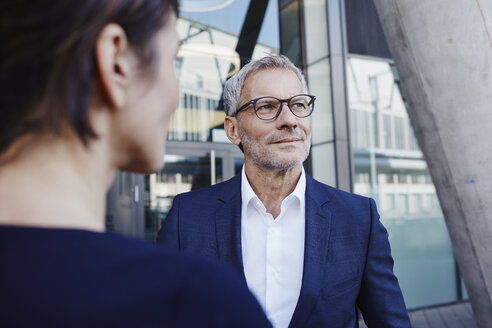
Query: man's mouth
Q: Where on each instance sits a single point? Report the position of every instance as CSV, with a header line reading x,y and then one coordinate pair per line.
x,y
288,140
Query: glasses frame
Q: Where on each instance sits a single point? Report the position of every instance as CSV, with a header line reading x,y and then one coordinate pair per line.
x,y
287,101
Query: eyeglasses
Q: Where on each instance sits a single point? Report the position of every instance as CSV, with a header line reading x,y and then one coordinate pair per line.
x,y
269,108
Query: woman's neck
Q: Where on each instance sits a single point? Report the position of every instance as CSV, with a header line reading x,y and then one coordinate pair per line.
x,y
56,183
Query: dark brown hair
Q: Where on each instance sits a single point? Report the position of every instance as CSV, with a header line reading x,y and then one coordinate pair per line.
x,y
47,61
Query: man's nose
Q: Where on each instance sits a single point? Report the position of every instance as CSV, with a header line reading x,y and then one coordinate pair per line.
x,y
286,118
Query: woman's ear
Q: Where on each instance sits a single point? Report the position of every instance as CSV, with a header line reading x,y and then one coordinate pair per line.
x,y
114,64
231,129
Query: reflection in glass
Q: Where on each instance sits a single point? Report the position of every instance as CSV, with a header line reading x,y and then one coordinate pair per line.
x,y
320,85
315,30
203,5
390,168
180,174
206,59
290,37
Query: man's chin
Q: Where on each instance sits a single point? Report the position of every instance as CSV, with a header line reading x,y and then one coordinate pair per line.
x,y
290,154
287,163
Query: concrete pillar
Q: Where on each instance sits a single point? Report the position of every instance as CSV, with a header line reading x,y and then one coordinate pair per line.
x,y
443,52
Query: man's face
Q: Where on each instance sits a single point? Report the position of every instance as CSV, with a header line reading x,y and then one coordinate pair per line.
x,y
284,142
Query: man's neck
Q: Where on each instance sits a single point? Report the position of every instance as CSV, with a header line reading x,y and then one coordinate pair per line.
x,y
272,186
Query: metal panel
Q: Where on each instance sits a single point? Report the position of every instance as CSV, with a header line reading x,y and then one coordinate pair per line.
x,y
337,46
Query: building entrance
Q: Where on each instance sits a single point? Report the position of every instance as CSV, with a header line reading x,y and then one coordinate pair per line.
x,y
138,204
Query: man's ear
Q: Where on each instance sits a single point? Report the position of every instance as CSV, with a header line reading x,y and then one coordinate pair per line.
x,y
114,63
232,129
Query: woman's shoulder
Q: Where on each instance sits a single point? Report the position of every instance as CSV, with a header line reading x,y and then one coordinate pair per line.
x,y
126,280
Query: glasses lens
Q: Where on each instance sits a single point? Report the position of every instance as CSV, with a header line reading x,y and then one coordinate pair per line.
x,y
266,108
301,105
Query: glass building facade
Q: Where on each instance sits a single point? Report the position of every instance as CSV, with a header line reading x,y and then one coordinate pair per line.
x,y
362,137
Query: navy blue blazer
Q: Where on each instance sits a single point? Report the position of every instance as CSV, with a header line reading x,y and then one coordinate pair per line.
x,y
347,257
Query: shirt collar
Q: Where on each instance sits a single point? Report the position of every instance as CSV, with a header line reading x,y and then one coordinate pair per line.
x,y
247,192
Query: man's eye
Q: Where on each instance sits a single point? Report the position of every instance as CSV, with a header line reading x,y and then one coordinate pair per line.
x,y
265,107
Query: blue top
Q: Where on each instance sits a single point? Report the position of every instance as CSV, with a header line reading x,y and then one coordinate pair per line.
x,y
77,278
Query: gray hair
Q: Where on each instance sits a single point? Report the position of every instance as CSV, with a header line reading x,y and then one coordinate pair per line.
x,y
234,86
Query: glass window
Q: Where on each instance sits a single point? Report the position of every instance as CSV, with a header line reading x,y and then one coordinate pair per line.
x,y
388,202
399,133
290,37
387,132
323,162
362,123
406,198
180,174
402,178
209,32
319,85
413,145
315,27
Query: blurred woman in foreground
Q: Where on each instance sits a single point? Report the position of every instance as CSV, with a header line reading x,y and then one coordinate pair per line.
x,y
88,88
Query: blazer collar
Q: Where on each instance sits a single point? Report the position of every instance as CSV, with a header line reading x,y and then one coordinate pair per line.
x,y
318,224
228,224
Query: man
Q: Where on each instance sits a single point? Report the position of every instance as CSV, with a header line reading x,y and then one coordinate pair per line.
x,y
310,253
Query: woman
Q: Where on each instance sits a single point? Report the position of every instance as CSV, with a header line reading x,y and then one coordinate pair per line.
x,y
87,88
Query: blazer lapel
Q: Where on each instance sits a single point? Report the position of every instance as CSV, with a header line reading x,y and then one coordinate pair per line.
x,y
228,224
317,235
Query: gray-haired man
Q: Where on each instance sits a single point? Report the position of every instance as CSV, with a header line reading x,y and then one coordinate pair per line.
x,y
310,253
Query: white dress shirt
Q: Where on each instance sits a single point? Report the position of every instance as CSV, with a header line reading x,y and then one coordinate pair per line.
x,y
273,251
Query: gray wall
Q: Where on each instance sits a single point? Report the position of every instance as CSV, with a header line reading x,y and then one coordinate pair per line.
x,y
443,52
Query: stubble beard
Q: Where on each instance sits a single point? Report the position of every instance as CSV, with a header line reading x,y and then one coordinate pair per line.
x,y
259,154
